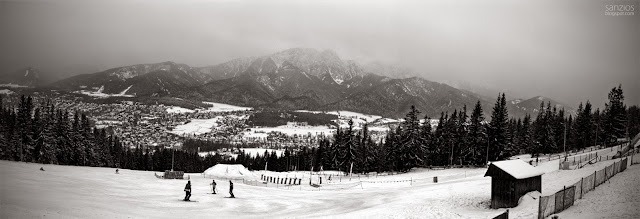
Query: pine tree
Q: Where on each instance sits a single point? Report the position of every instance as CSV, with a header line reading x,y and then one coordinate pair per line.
x,y
498,132
412,145
615,111
633,120
349,149
477,135
526,134
464,149
584,126
427,138
548,139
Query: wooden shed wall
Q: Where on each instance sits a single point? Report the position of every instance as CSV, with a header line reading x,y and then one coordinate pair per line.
x,y
506,193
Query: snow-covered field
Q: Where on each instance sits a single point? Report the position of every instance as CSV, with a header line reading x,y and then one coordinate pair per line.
x,y
288,130
12,85
83,192
221,107
100,94
358,118
617,198
177,109
196,126
6,91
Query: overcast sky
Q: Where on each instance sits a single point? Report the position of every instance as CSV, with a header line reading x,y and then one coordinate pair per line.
x,y
566,50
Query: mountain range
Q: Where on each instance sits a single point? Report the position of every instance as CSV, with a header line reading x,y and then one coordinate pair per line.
x,y
292,79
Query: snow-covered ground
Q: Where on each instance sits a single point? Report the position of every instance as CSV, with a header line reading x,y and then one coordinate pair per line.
x,y
359,119
196,126
617,198
288,130
12,85
6,91
83,192
232,171
221,107
177,109
99,93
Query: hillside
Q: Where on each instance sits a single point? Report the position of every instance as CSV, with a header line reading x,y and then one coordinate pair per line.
x,y
292,79
136,80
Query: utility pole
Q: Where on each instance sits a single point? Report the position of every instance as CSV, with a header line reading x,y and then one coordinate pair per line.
x,y
597,127
173,152
487,158
565,140
451,156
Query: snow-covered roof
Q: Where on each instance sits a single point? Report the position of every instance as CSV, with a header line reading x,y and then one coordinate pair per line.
x,y
230,171
516,168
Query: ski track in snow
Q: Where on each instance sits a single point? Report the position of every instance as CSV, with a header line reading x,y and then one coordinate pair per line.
x,y
84,192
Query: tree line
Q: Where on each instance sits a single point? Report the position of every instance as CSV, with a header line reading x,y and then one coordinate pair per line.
x,y
40,133
43,134
461,138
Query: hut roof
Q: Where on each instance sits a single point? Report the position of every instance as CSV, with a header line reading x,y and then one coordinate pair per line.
x,y
516,168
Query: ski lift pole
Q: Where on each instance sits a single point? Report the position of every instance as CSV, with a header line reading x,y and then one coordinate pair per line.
x,y
173,152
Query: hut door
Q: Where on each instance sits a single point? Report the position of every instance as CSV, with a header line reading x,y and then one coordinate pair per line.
x,y
512,191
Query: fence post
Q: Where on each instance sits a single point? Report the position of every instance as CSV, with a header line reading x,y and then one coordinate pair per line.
x,y
540,214
581,187
564,191
595,177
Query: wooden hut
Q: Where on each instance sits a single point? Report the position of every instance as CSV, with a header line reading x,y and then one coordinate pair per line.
x,y
510,180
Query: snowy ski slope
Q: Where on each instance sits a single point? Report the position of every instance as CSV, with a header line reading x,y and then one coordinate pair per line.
x,y
90,192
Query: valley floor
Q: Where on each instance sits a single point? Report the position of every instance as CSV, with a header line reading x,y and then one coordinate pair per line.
x,y
90,192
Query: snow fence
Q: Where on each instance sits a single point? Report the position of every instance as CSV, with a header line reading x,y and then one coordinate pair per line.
x,y
565,198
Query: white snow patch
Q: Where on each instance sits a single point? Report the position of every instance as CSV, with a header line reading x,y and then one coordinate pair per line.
x,y
177,109
12,85
99,93
618,198
517,168
288,130
6,91
233,171
460,193
125,91
196,126
221,107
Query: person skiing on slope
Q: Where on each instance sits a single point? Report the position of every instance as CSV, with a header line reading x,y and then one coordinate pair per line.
x,y
231,189
187,190
213,186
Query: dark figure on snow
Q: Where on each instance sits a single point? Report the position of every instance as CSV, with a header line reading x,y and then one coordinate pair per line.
x,y
117,171
41,168
213,187
187,190
231,189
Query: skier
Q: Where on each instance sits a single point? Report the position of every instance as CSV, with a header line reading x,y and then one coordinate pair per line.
x,y
213,186
187,190
231,189
42,169
117,171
